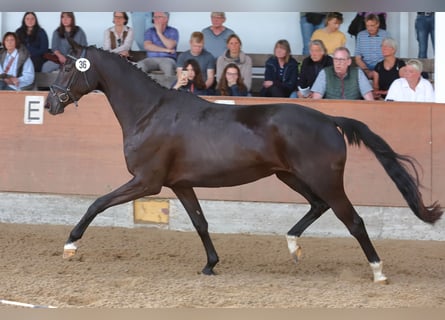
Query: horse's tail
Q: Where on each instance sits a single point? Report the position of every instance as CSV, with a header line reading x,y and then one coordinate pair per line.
x,y
394,165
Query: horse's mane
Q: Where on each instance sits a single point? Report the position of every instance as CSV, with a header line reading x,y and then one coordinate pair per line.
x,y
132,65
139,72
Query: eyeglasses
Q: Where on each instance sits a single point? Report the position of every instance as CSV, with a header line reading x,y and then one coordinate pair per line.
x,y
118,17
159,17
341,60
232,73
119,42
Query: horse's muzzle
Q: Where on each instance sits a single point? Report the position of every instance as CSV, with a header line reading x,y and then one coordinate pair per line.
x,y
53,105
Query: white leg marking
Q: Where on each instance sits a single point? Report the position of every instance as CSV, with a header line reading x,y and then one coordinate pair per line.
x,y
292,244
294,248
379,277
70,246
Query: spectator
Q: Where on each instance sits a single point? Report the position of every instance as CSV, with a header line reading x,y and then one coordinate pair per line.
x,y
216,35
202,56
16,68
60,45
281,72
309,22
141,21
341,81
234,54
231,82
34,38
358,23
424,26
119,38
160,43
311,66
367,47
330,35
387,70
411,86
190,79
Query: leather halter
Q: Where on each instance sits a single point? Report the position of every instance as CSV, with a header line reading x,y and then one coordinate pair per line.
x,y
64,94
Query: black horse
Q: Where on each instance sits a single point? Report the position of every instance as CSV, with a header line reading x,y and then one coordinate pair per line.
x,y
182,141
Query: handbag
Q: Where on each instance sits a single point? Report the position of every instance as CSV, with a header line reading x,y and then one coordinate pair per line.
x,y
51,57
357,24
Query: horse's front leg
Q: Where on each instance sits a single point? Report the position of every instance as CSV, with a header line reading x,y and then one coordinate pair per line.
x,y
132,190
190,202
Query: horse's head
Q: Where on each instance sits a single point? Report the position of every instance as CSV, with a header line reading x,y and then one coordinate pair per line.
x,y
72,81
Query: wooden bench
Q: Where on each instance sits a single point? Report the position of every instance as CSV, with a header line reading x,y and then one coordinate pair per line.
x,y
43,81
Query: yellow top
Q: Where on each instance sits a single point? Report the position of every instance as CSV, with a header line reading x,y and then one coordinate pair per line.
x,y
331,40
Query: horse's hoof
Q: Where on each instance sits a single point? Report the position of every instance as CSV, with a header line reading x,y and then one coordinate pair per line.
x,y
69,250
69,253
382,280
297,254
208,272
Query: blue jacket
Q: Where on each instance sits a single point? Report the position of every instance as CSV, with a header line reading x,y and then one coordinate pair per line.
x,y
37,46
290,74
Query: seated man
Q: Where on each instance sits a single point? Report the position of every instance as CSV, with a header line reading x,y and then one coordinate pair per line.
x,y
160,42
411,86
367,48
202,56
341,81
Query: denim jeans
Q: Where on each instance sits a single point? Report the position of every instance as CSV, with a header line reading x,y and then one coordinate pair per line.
x,y
424,26
141,21
307,29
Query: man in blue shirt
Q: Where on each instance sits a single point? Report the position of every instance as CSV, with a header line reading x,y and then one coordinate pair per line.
x,y
160,42
368,47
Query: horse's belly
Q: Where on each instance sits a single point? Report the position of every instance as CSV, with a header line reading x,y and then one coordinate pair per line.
x,y
222,178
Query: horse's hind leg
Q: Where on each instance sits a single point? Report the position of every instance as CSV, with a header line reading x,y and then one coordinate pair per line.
x,y
344,210
132,190
190,202
318,207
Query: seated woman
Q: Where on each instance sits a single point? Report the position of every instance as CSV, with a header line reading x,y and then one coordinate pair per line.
x,y
16,68
411,86
231,82
281,72
119,38
234,54
190,79
310,67
34,38
60,45
387,70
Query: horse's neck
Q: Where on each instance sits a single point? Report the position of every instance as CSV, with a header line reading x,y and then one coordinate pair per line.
x,y
132,96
